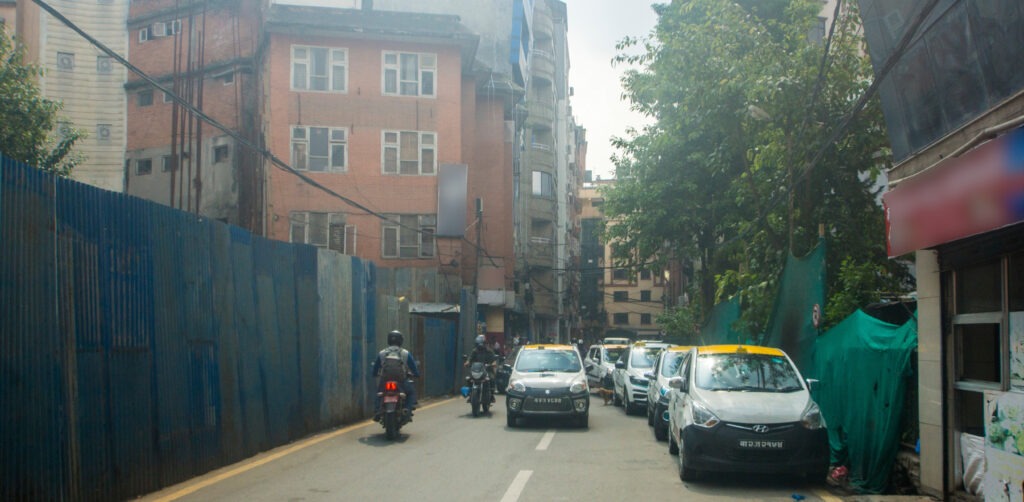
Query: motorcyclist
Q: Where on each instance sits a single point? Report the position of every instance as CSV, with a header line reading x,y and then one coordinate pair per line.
x,y
481,353
395,339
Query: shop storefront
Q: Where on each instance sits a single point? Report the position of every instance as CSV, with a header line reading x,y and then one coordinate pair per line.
x,y
965,220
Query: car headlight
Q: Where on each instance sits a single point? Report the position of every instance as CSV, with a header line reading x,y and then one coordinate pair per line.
x,y
517,386
578,386
664,391
638,381
702,416
811,418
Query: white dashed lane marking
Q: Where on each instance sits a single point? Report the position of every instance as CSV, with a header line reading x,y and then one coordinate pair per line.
x,y
516,488
545,441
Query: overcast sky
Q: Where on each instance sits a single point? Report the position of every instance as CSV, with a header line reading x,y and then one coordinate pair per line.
x,y
595,26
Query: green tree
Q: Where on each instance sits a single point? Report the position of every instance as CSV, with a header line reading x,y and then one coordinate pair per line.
x,y
724,175
28,120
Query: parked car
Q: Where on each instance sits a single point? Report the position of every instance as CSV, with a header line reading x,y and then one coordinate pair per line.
x,y
666,365
548,380
616,341
630,382
600,362
739,408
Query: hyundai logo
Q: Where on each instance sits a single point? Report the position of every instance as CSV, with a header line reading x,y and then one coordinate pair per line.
x,y
760,428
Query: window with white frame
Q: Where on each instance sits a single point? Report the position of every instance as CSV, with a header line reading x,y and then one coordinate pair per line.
x,y
319,68
409,152
410,74
408,236
319,149
325,230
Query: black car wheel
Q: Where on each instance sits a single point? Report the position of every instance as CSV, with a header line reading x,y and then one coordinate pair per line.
x,y
685,473
660,430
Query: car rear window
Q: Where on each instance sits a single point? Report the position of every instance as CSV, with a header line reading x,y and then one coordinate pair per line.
x,y
535,361
746,372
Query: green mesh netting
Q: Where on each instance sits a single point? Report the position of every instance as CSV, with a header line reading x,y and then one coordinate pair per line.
x,y
791,326
718,328
862,364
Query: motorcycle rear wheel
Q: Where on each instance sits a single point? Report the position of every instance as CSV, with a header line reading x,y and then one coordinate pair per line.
x,y
391,425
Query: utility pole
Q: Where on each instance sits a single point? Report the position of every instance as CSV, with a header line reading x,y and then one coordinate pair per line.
x,y
479,251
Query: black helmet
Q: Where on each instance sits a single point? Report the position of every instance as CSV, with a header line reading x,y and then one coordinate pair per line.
x,y
395,338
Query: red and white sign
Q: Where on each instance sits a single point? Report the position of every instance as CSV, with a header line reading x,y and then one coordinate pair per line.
x,y
977,192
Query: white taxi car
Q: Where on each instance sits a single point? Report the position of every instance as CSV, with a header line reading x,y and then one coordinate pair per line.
x,y
630,382
548,380
740,408
666,366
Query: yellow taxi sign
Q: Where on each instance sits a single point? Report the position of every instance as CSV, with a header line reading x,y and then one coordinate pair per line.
x,y
733,349
679,348
548,346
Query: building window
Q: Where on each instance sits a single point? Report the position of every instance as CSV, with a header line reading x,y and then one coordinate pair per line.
x,y
645,296
104,65
228,78
620,274
143,166
168,98
103,132
319,69
325,230
144,98
543,184
620,318
167,163
409,152
408,236
144,34
645,275
409,74
645,319
319,149
65,61
620,296
221,153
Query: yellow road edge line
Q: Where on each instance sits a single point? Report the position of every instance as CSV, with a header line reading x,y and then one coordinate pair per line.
x,y
274,456
826,496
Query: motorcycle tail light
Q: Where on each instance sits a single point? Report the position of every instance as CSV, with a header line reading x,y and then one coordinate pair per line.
x,y
391,386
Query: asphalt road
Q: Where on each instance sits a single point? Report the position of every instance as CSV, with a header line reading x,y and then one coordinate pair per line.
x,y
447,455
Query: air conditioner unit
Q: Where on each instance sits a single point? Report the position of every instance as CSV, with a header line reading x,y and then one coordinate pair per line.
x,y
159,29
175,26
65,61
103,132
104,65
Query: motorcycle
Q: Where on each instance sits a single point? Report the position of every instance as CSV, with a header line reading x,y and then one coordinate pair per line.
x,y
392,414
478,388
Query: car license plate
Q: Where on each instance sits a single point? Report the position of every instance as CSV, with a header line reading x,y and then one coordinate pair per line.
x,y
762,444
547,400
390,399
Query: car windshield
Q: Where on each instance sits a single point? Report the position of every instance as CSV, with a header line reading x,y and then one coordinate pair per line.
x,y
746,372
613,354
671,363
644,357
535,361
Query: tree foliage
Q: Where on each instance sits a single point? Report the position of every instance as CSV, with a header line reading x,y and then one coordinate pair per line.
x,y
29,127
723,177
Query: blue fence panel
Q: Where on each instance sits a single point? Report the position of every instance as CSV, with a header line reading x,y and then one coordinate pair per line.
x,y
33,392
307,326
439,355
225,315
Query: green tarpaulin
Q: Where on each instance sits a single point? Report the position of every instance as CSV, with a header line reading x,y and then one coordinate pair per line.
x,y
791,325
863,364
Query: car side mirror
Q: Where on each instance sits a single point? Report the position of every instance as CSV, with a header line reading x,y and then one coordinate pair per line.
x,y
677,382
649,375
588,364
620,365
812,384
